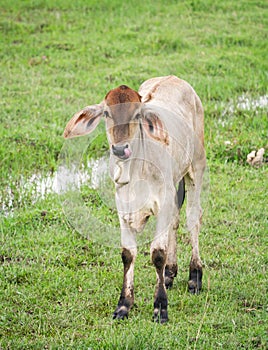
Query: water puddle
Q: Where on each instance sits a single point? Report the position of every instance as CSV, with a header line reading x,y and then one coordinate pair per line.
x,y
64,179
246,103
243,103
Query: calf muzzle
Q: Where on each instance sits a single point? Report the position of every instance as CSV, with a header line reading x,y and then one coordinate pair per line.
x,y
123,152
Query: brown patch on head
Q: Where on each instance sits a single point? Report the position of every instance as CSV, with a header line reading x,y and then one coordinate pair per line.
x,y
122,103
122,94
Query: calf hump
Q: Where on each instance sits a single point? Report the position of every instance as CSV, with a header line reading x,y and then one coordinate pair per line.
x,y
122,94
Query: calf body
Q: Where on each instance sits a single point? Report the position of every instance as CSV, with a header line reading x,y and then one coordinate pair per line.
x,y
156,137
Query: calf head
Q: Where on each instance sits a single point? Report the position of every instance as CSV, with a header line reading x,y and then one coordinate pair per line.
x,y
122,112
125,117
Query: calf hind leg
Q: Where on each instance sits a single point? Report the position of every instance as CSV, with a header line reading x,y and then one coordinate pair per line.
x,y
170,273
195,269
171,267
160,298
194,217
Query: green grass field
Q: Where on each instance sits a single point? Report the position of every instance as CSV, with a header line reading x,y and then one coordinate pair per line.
x,y
58,289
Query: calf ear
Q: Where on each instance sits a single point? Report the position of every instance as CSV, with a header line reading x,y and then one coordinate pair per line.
x,y
84,122
154,127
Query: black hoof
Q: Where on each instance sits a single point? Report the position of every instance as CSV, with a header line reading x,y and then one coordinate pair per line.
x,y
160,316
170,273
168,282
195,281
120,313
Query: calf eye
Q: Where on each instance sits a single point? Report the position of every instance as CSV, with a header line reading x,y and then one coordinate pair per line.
x,y
137,116
151,127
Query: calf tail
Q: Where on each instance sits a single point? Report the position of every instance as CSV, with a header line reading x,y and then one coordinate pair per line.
x,y
181,193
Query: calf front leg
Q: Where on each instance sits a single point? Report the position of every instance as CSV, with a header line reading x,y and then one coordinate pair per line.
x,y
129,253
126,299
